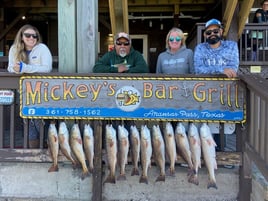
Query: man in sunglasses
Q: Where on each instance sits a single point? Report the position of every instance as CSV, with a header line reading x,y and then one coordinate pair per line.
x,y
122,59
215,55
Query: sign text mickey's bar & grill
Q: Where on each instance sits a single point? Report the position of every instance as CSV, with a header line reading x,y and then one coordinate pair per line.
x,y
137,98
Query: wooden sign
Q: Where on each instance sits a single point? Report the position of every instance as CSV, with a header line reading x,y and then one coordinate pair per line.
x,y
133,98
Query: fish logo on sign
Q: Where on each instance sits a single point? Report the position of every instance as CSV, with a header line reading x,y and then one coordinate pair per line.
x,y
128,98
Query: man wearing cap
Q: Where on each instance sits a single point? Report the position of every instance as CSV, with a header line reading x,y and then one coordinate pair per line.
x,y
215,55
123,59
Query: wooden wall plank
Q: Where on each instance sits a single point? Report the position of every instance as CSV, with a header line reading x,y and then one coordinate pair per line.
x,y
87,35
228,15
67,36
243,15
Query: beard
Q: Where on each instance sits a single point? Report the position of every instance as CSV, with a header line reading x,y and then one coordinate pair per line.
x,y
122,52
213,39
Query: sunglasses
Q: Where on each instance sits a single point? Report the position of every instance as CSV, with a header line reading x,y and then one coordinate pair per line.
x,y
171,39
122,43
209,32
28,35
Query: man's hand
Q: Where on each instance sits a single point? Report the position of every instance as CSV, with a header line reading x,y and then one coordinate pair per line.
x,y
122,68
229,72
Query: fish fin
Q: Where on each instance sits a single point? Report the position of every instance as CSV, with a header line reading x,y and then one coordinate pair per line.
x,y
122,177
55,139
160,178
144,179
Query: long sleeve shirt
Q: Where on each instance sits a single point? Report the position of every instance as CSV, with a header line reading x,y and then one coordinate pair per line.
x,y
109,61
209,60
40,60
180,62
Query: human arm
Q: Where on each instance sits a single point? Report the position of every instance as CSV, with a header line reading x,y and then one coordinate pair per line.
x,y
104,65
191,61
40,61
138,64
11,61
216,61
158,65
259,16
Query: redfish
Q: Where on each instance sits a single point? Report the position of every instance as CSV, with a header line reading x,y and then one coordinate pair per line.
x,y
123,150
159,151
53,143
65,148
146,152
135,149
88,143
170,147
209,153
77,148
111,150
183,146
195,147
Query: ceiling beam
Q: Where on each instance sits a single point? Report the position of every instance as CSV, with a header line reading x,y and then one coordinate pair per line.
x,y
246,5
228,15
119,15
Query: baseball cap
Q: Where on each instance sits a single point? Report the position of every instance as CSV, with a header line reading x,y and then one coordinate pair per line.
x,y
122,35
213,22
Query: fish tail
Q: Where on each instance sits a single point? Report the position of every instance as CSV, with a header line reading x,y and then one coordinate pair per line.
x,y
191,172
135,171
110,179
122,177
212,184
193,179
53,168
144,179
160,178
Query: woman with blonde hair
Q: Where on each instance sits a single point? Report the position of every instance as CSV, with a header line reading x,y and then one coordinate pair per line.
x,y
28,54
177,59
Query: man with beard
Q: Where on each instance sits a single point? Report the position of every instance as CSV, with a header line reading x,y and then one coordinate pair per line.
x,y
122,59
215,55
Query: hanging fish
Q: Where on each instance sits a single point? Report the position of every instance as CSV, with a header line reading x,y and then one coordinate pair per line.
x,y
183,146
88,142
111,150
159,151
170,147
64,143
146,152
195,147
209,153
77,148
135,148
123,150
53,144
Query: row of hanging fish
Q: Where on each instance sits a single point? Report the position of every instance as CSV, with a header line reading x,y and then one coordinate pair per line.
x,y
72,146
148,144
